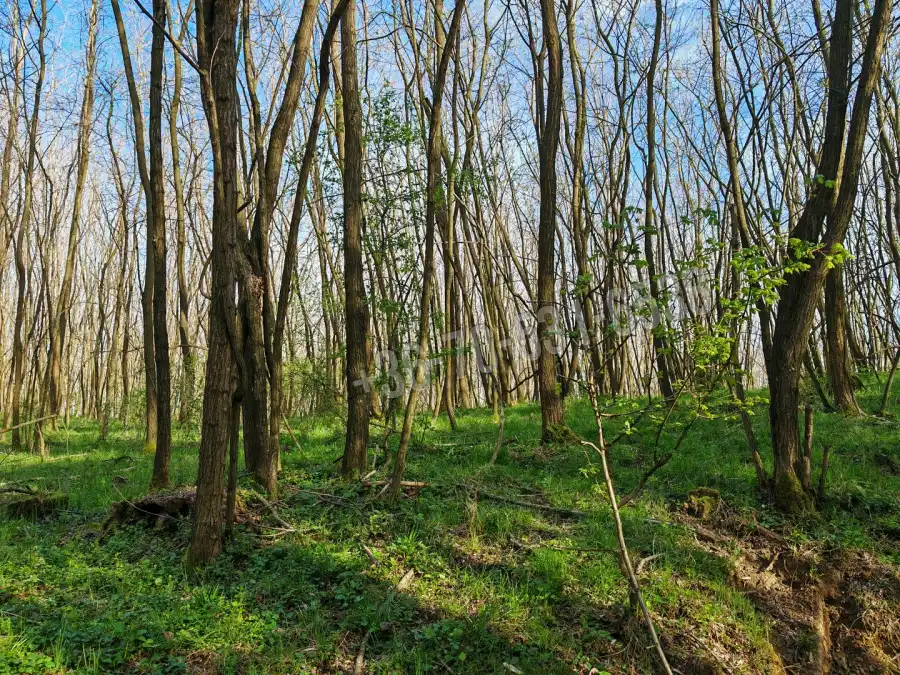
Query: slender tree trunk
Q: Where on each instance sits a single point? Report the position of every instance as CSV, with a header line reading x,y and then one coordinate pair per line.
x,y
60,317
552,413
356,311
433,193
188,360
24,229
660,327
156,236
840,377
147,302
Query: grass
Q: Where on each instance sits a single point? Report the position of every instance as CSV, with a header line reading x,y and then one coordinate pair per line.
x,y
496,587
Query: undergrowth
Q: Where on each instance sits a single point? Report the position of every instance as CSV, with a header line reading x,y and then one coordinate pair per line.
x,y
496,587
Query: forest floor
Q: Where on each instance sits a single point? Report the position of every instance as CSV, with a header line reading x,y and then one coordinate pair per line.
x,y
454,579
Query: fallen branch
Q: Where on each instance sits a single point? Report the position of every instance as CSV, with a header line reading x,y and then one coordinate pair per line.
x,y
370,555
27,424
281,521
403,483
360,663
120,458
18,490
291,433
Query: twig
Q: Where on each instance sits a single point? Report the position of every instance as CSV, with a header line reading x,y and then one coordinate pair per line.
x,y
631,496
577,549
643,561
187,57
620,535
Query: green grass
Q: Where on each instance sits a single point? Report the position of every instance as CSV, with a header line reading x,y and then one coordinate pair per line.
x,y
494,583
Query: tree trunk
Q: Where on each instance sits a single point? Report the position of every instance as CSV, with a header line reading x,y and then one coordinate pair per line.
x,y
802,290
552,413
840,377
137,116
660,327
24,229
355,457
156,237
60,317
216,27
188,360
433,192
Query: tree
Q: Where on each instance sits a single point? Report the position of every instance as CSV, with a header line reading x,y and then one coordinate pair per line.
x,y
824,222
151,393
434,193
549,120
156,236
356,310
659,328
216,28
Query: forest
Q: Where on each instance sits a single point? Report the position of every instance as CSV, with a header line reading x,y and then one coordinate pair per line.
x,y
422,336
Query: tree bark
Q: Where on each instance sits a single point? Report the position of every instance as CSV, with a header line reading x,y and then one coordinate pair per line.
x,y
216,28
552,413
802,290
355,457
156,237
151,402
837,365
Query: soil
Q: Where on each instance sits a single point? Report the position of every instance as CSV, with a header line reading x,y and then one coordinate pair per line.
x,y
831,611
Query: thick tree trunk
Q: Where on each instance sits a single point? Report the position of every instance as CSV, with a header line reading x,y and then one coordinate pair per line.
x,y
802,290
216,28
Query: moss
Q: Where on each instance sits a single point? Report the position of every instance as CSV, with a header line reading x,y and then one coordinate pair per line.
x,y
789,495
37,506
703,502
560,434
149,448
